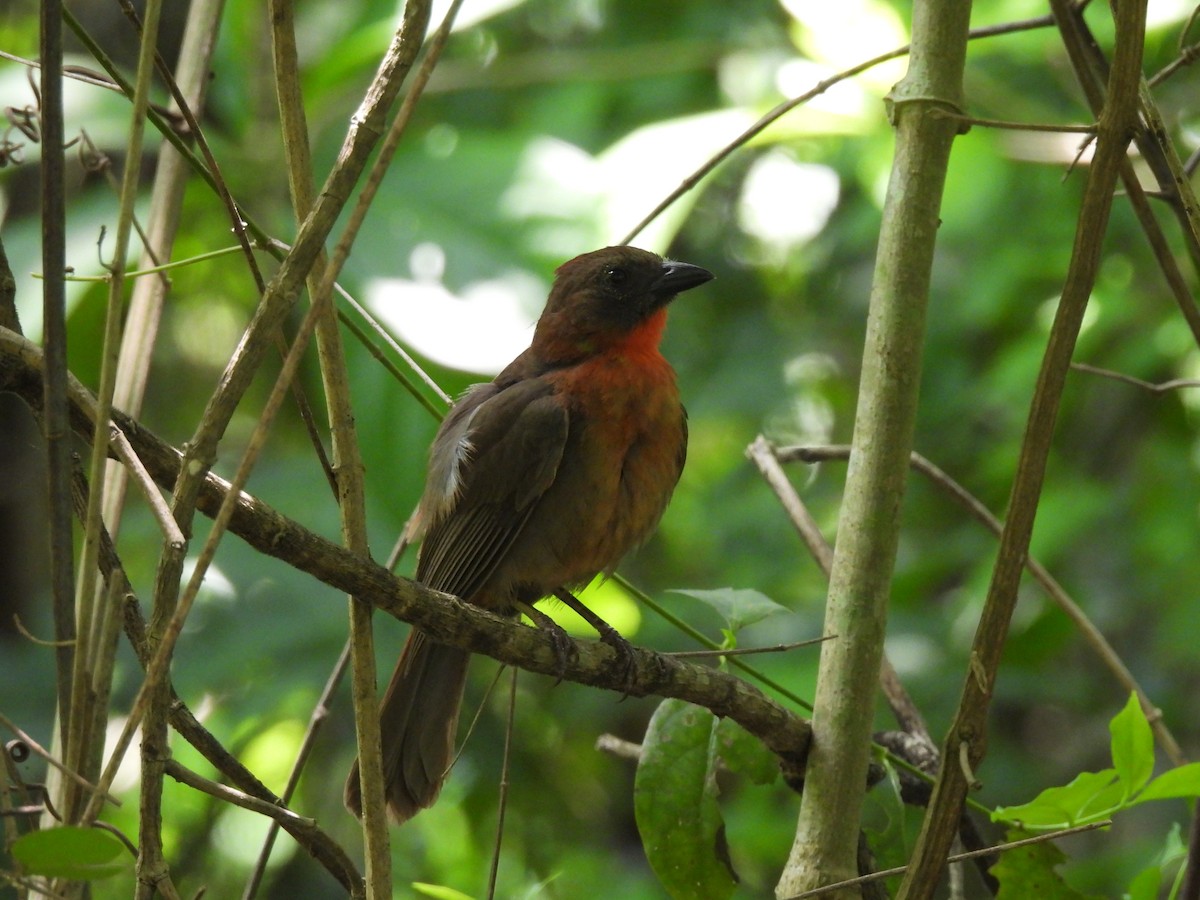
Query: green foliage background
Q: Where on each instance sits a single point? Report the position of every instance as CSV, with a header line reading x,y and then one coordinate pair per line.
x,y
772,346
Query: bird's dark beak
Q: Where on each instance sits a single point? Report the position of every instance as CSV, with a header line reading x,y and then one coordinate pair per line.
x,y
677,277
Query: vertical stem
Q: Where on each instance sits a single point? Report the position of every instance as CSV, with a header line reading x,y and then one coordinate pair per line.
x,y
347,461
824,850
58,434
166,202
966,741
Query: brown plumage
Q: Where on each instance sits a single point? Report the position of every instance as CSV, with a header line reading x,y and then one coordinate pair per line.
x,y
538,480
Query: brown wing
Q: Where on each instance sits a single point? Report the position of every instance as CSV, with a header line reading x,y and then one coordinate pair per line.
x,y
494,457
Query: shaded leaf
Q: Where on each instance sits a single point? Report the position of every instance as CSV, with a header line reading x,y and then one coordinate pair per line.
x,y
745,754
675,802
1029,871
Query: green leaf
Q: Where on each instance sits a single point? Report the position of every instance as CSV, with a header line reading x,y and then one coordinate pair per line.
x,y
439,891
745,754
1146,884
1183,781
72,852
675,803
1132,746
739,608
1029,871
1090,797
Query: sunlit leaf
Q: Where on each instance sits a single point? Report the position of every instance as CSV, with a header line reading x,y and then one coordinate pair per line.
x,y
73,852
1183,781
1090,797
1132,746
439,891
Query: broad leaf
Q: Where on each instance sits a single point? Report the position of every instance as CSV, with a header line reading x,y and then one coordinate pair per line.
x,y
745,754
675,803
1132,746
1090,797
739,608
79,854
1029,871
1183,781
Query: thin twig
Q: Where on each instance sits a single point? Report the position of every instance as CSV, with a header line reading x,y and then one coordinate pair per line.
x,y
1161,387
779,111
49,758
184,775
747,651
1012,126
502,800
158,506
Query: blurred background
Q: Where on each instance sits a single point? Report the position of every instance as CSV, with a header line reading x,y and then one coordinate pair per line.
x,y
552,128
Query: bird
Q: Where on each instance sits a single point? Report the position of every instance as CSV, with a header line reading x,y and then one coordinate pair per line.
x,y
538,481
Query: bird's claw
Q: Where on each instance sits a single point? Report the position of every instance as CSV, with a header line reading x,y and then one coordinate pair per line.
x,y
559,639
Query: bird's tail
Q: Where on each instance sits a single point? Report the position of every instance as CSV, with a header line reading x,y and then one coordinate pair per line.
x,y
418,721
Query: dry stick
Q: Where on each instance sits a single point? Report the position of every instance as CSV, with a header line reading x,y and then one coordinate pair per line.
x,y
151,867
1092,635
1162,387
184,775
347,460
158,506
276,302
350,481
787,106
967,735
284,288
828,825
54,337
166,202
241,231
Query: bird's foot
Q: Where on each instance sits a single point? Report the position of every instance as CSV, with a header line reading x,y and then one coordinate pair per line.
x,y
561,641
608,635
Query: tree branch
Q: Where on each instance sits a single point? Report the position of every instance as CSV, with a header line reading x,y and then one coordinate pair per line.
x,y
448,619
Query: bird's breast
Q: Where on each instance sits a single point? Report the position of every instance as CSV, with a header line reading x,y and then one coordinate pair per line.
x,y
624,454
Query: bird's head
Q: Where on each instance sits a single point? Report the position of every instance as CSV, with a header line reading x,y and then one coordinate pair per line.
x,y
609,298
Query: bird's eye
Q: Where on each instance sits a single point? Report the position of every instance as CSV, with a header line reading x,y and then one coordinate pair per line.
x,y
616,276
